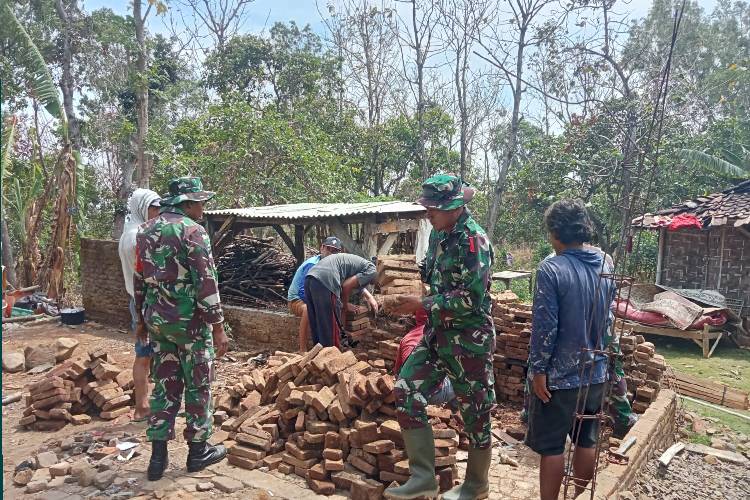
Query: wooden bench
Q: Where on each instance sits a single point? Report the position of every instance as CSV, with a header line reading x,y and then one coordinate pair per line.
x,y
701,337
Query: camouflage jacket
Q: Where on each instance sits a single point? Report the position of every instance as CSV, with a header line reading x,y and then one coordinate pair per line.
x,y
176,284
458,269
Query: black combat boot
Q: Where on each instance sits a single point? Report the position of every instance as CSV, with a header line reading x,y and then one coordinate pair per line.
x,y
201,455
158,461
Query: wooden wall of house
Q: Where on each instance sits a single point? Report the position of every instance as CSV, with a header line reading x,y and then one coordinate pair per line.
x,y
692,259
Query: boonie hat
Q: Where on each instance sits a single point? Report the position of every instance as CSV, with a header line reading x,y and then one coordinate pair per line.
x,y
445,192
186,189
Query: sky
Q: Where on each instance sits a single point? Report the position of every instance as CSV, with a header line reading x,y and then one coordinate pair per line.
x,y
264,13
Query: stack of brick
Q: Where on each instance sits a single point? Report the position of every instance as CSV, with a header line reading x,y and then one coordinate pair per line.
x,y
513,327
328,417
358,325
643,370
398,275
76,389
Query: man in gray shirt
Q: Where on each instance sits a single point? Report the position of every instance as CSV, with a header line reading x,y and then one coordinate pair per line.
x,y
328,286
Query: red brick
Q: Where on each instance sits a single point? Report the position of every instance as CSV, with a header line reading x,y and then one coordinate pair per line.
x,y
380,446
321,487
362,465
318,472
366,489
333,465
368,431
245,463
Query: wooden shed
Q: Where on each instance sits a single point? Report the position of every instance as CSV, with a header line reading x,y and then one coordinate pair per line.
x,y
366,229
715,256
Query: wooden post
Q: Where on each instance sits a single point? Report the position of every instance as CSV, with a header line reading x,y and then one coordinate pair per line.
x,y
721,257
340,230
299,243
705,341
369,240
387,244
660,255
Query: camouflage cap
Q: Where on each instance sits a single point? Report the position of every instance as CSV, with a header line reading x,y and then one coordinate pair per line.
x,y
445,192
186,189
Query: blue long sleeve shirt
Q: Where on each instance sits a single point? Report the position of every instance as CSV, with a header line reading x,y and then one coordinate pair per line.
x,y
570,312
297,287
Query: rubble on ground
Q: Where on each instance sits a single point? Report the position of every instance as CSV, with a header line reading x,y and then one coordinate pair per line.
x,y
87,459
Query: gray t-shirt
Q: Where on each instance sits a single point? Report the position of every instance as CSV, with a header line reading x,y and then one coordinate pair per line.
x,y
333,270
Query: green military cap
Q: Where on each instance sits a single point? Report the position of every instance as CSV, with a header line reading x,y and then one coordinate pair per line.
x,y
184,189
445,192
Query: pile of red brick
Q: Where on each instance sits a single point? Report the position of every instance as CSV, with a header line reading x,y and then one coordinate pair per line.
x,y
77,389
328,417
643,370
398,275
513,328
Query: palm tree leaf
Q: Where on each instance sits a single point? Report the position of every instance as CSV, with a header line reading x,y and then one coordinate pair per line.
x,y
700,159
41,79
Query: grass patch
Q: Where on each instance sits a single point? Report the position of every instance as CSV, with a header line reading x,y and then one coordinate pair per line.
x,y
694,437
737,424
729,364
519,287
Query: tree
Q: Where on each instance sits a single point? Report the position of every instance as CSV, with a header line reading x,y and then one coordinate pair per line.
x,y
510,59
416,35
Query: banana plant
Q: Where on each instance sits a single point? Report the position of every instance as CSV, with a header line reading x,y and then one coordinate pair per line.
x,y
39,75
699,159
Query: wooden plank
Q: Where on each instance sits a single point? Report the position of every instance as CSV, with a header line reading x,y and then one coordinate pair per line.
x,y
710,384
397,226
725,455
668,455
719,393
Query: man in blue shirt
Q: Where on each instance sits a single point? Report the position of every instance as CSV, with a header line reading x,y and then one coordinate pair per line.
x,y
570,319
296,295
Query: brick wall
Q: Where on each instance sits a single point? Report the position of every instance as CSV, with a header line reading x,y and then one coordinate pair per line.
x,y
102,284
106,301
692,259
654,432
261,329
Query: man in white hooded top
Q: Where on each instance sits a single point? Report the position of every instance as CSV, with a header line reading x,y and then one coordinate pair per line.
x,y
143,205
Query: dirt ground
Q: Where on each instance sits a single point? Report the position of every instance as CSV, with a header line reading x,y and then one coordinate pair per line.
x,y
20,444
507,481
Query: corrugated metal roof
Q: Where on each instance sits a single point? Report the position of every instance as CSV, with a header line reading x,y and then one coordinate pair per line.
x,y
717,209
312,211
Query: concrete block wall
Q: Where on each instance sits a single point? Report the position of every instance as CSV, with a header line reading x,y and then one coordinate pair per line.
x,y
654,432
692,259
102,283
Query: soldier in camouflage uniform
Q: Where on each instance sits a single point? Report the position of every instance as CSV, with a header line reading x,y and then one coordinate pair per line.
x,y
458,342
177,303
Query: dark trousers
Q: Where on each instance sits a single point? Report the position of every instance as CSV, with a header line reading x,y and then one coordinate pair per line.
x,y
322,313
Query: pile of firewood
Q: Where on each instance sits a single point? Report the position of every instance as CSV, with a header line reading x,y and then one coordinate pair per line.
x,y
76,389
255,272
328,417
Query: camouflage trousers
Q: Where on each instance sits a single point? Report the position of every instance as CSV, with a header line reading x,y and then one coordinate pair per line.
x,y
465,357
618,406
178,367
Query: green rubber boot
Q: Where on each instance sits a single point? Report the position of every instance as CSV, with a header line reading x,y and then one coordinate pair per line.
x,y
420,448
476,486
